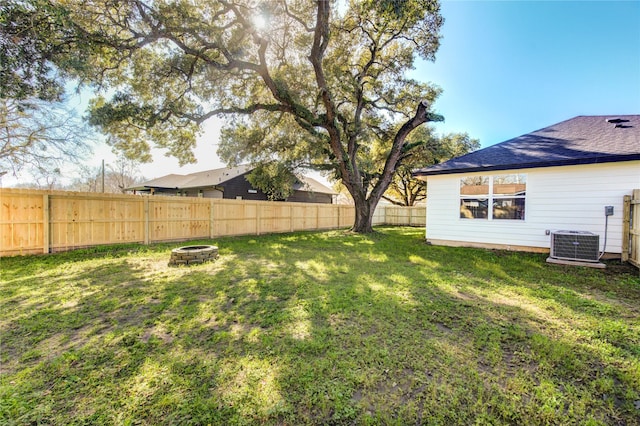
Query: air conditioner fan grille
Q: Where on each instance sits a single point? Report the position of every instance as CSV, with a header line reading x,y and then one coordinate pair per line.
x,y
575,245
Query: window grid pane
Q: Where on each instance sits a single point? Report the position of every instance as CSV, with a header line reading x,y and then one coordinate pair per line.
x,y
474,208
508,208
513,185
474,186
504,193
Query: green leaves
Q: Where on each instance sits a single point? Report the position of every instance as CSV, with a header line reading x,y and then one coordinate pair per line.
x,y
25,56
40,47
274,179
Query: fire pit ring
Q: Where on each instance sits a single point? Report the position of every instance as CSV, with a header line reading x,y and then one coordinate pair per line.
x,y
190,255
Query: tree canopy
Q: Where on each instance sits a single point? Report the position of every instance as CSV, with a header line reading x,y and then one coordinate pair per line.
x,y
405,190
319,84
275,179
39,49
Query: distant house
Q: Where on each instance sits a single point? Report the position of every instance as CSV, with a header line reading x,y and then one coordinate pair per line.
x,y
514,194
230,183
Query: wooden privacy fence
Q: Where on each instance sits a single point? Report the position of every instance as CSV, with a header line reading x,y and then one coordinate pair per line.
x,y
397,215
631,228
33,221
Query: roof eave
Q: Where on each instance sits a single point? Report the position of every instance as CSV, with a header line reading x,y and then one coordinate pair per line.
x,y
532,165
145,187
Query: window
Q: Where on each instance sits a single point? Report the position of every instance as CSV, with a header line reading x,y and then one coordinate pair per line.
x,y
508,196
474,197
504,193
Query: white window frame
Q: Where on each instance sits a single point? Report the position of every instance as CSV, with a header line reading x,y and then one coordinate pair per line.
x,y
491,197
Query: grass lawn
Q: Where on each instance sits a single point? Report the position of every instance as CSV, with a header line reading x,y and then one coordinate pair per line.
x,y
317,328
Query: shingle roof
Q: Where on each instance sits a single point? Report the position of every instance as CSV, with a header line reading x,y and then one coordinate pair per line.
x,y
219,176
580,140
311,185
194,180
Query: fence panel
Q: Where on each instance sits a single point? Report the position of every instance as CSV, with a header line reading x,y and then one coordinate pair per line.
x,y
379,215
22,222
179,218
234,217
399,215
327,216
347,216
84,220
304,217
634,240
274,217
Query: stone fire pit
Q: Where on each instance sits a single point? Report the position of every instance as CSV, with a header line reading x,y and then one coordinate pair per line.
x,y
189,255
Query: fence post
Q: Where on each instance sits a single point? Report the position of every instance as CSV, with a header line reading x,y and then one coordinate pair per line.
x,y
634,238
46,224
626,227
290,217
146,219
257,219
211,219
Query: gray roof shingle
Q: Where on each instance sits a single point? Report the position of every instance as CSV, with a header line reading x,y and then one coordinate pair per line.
x,y
580,140
194,180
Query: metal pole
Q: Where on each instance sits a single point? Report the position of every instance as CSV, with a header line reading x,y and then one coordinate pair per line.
x,y
103,175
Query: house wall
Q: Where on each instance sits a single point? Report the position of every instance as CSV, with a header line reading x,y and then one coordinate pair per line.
x,y
163,192
558,198
240,186
211,193
310,197
191,192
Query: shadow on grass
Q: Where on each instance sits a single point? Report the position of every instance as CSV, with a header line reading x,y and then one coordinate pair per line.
x,y
319,328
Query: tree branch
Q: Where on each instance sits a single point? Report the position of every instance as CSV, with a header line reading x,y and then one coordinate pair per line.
x,y
236,110
421,116
296,18
320,42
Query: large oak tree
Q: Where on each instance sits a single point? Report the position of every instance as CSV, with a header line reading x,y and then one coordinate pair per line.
x,y
308,84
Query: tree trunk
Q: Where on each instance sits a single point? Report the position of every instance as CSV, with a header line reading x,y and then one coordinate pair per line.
x,y
364,214
364,210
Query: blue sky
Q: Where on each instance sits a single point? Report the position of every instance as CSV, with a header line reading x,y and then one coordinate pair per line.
x,y
511,67
507,68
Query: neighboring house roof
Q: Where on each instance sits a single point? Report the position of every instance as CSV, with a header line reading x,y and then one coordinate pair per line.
x,y
311,185
580,140
215,177
194,180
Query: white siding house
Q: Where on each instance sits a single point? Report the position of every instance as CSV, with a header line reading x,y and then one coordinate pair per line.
x,y
513,194
557,198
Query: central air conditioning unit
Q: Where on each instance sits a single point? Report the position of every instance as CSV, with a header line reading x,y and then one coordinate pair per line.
x,y
575,245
